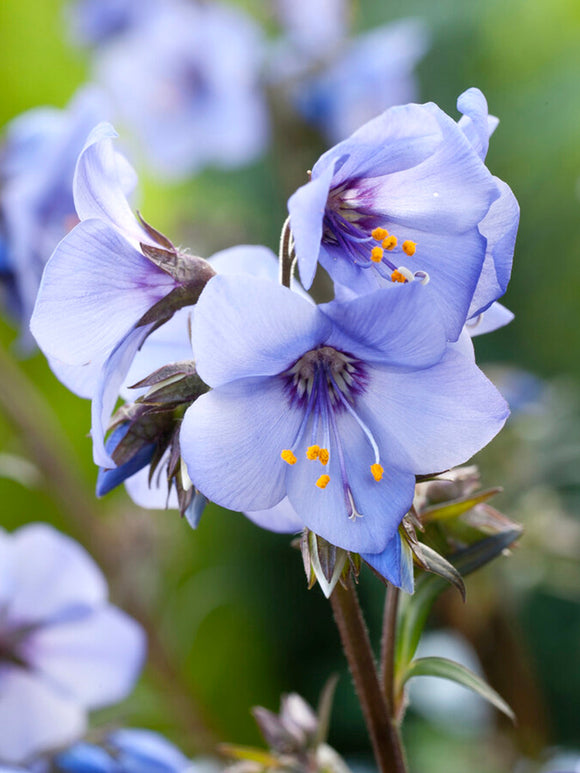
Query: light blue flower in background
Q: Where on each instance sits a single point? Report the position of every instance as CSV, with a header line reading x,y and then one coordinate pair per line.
x,y
186,83
314,28
37,162
338,407
64,650
126,751
95,22
404,197
370,73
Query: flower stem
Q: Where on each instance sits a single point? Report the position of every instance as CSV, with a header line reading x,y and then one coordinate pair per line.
x,y
286,254
383,733
388,645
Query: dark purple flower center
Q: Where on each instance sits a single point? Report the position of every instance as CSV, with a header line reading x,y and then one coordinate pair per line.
x,y
324,383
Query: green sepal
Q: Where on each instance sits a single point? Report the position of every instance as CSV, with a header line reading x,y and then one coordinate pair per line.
x,y
457,507
449,669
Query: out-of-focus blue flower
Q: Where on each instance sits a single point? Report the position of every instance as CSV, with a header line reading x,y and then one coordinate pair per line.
x,y
64,650
99,284
94,22
186,83
314,28
404,197
37,162
372,72
126,751
338,407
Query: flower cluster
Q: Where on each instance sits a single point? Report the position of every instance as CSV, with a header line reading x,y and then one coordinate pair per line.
x,y
301,415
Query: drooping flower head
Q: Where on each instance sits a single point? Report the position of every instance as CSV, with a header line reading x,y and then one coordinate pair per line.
x,y
108,285
402,198
338,407
64,650
37,162
186,82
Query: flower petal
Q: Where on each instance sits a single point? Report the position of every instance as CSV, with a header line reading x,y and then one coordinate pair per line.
x,y
231,439
281,518
398,325
475,123
102,179
306,208
395,563
65,577
380,505
94,289
252,327
438,417
95,659
491,319
34,717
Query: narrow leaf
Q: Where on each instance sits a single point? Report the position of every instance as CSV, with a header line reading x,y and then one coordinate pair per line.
x,y
248,753
448,669
325,709
457,507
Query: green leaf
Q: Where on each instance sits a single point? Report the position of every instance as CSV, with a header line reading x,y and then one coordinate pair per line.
x,y
448,669
414,615
325,709
457,507
250,753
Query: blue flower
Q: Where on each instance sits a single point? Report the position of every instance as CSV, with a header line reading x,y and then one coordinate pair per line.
x,y
372,72
314,28
64,650
37,163
338,407
126,751
107,286
94,22
187,83
402,198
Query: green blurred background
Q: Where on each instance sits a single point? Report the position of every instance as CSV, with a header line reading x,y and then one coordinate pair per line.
x,y
234,623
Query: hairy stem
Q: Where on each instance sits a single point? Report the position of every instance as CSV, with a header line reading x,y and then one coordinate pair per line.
x,y
388,644
357,647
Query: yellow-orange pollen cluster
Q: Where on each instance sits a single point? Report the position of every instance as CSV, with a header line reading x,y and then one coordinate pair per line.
x,y
314,453
389,242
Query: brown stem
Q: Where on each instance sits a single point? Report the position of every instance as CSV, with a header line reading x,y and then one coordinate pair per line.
x,y
33,418
388,644
357,647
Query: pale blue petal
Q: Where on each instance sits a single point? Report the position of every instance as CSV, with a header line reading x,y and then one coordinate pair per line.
x,y
95,659
34,716
102,179
381,505
142,751
231,440
252,327
65,577
398,325
113,374
86,758
438,417
281,518
94,289
499,227
306,208
152,495
491,319
395,563
475,121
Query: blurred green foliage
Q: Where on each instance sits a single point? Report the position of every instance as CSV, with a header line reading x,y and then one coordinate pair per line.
x,y
230,601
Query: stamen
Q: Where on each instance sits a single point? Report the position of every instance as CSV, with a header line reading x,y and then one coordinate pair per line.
x,y
323,481
377,472
379,234
377,254
409,247
423,277
390,243
312,452
402,274
324,456
288,456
